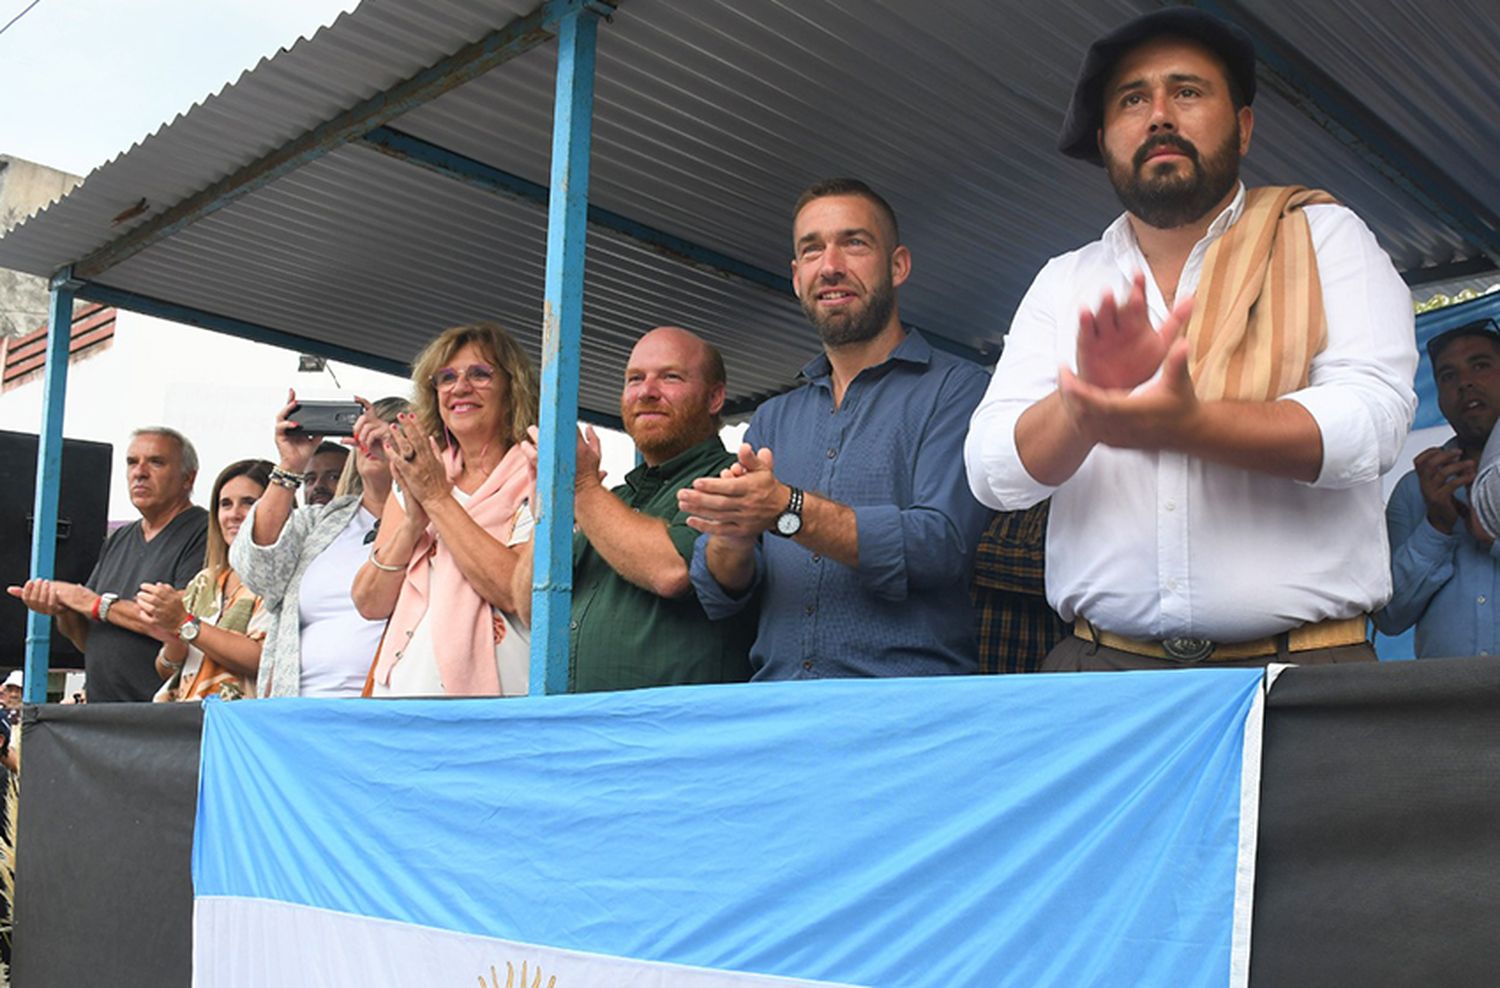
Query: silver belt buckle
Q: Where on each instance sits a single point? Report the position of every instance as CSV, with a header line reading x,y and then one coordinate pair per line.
x,y
1188,649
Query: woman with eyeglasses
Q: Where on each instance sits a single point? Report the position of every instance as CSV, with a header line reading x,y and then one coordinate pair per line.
x,y
441,567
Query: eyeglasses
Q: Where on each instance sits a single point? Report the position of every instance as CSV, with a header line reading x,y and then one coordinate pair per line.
x,y
478,376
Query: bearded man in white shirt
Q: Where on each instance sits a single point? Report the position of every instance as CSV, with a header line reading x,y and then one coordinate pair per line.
x,y
1236,371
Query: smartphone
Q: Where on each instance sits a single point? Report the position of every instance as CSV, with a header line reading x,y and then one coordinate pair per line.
x,y
327,418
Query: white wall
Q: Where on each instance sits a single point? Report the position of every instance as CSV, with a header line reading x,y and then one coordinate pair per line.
x,y
219,391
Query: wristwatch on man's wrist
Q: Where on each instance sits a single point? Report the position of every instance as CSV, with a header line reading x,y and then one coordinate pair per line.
x,y
106,601
789,522
189,630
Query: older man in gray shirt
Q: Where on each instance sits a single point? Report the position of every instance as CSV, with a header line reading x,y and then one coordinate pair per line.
x,y
166,545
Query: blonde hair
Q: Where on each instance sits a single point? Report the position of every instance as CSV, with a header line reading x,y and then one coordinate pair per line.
x,y
350,482
509,359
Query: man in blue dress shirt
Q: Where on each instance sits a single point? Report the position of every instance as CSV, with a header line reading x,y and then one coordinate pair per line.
x,y
847,515
1443,563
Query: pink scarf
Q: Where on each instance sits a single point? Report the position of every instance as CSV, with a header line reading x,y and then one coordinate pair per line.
x,y
463,632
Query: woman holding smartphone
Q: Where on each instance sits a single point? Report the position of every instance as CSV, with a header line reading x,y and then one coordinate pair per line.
x,y
302,561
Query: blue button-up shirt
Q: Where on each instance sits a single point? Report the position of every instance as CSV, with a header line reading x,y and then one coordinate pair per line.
x,y
893,452
1444,584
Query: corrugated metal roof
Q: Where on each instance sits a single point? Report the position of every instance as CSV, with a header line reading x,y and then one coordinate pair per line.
x,y
710,116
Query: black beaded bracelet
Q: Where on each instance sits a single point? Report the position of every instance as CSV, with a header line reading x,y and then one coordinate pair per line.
x,y
290,481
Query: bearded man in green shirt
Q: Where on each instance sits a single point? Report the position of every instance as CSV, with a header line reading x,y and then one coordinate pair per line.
x,y
636,621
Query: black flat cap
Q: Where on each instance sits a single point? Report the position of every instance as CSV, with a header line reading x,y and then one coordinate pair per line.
x,y
1487,329
1078,136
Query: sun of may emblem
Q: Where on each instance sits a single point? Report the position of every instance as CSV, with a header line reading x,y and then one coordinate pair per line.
x,y
512,982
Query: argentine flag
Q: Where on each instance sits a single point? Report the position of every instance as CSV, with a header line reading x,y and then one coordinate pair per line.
x,y
1072,830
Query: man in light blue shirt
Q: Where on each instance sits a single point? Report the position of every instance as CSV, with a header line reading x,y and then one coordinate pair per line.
x,y
1445,567
847,515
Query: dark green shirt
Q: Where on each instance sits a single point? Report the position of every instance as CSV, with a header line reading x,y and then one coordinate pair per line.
x,y
623,636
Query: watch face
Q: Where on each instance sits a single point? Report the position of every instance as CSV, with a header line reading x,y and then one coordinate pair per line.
x,y
788,523
188,631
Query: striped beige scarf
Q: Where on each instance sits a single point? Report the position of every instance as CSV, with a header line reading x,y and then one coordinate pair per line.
x,y
1258,317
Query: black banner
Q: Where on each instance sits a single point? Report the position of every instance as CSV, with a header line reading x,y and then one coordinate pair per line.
x,y
104,892
1380,827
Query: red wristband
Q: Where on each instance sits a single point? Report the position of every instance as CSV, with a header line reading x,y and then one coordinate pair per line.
x,y
97,601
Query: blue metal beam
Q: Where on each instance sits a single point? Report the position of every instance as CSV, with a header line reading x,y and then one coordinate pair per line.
x,y
562,335
1326,102
48,478
470,171
469,62
122,299
257,333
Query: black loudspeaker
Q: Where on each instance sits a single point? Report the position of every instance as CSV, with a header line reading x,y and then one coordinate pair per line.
x,y
81,527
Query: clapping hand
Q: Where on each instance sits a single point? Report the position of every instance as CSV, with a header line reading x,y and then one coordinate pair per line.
x,y
588,451
1117,346
742,502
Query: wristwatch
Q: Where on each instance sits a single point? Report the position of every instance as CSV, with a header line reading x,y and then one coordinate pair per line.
x,y
106,601
189,630
789,522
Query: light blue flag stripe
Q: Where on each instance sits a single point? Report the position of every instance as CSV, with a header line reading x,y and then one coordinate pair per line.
x,y
1013,830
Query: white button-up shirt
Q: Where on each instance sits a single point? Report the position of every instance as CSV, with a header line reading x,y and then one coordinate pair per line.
x,y
1154,545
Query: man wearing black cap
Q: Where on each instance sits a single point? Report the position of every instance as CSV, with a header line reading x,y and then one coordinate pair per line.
x,y
1443,560
1236,375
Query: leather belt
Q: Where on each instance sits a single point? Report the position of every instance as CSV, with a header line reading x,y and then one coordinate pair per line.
x,y
1324,634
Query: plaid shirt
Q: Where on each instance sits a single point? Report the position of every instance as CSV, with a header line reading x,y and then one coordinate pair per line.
x,y
1016,626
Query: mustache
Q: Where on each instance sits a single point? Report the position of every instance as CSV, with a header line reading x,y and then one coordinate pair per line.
x,y
1172,141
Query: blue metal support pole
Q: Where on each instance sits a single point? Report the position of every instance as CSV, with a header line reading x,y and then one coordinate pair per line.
x,y
48,477
562,336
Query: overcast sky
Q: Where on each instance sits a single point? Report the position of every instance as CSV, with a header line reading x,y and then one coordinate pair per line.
x,y
83,80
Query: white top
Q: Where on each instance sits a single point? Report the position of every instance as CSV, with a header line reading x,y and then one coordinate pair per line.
x,y
1159,544
1485,491
338,646
417,672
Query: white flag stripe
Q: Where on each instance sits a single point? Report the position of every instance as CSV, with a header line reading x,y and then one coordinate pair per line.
x,y
240,942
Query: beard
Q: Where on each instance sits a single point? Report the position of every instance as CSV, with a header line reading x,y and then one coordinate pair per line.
x,y
1167,200
843,328
684,427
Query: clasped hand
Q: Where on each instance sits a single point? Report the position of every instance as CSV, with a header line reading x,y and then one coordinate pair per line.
x,y
161,604
1441,474
743,501
53,597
